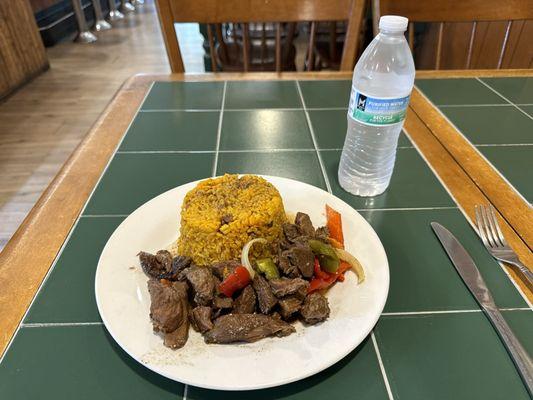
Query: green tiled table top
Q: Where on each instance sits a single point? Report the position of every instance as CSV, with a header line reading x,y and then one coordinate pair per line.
x,y
432,340
496,116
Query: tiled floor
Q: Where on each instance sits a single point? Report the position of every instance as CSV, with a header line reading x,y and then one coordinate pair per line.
x,y
432,342
496,115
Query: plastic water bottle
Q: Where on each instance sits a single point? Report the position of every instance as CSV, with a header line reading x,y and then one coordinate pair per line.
x,y
382,83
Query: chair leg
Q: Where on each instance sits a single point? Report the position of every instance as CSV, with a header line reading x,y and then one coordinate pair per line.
x,y
126,7
114,14
84,34
100,23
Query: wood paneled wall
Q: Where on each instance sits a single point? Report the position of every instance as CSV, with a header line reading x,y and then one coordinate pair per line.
x,y
486,47
22,54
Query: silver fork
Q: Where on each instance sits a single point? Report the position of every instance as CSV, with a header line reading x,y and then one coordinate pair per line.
x,y
492,237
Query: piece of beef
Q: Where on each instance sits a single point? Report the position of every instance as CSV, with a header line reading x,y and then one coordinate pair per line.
x,y
246,328
285,265
177,338
166,309
303,258
178,264
265,297
203,284
224,268
201,318
291,231
245,302
322,233
169,310
315,308
155,265
304,224
223,302
276,315
289,306
282,287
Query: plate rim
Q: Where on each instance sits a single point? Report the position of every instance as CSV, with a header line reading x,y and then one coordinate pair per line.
x,y
313,371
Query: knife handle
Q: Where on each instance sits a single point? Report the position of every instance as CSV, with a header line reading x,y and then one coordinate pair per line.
x,y
518,354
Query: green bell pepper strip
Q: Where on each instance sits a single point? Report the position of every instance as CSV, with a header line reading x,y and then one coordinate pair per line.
x,y
267,267
327,257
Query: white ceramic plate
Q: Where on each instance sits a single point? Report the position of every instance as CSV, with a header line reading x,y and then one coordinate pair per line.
x,y
124,303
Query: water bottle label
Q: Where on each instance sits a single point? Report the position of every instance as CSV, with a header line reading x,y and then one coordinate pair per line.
x,y
377,111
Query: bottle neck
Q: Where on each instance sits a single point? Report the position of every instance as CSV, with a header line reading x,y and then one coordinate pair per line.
x,y
385,32
390,36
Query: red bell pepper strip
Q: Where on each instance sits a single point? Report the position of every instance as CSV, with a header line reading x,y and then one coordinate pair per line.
x,y
317,284
334,223
235,281
323,280
342,269
318,271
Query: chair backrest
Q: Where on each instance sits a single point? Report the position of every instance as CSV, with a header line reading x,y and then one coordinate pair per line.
x,y
249,11
443,11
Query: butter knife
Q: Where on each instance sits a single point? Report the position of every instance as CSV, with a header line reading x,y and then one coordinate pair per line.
x,y
468,271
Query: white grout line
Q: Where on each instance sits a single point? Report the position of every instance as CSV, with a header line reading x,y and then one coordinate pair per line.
x,y
505,98
219,129
166,152
266,150
475,105
408,209
406,313
310,125
59,324
382,366
503,145
227,110
340,148
67,239
327,109
185,392
157,110
195,110
263,109
104,216
207,110
231,151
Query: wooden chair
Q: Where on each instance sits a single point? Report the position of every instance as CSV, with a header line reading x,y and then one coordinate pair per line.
x,y
261,38
258,11
443,11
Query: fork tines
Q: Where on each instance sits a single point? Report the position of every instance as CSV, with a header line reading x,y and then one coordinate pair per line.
x,y
488,226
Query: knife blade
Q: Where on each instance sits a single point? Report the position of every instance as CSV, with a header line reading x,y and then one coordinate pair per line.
x,y
464,265
470,274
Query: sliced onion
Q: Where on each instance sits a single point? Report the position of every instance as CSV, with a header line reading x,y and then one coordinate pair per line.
x,y
245,261
355,264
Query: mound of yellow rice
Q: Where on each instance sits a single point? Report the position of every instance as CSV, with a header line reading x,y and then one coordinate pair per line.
x,y
219,216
